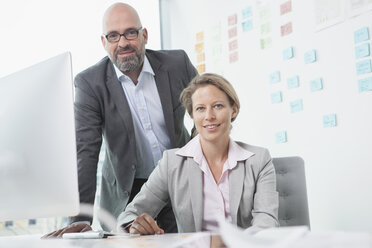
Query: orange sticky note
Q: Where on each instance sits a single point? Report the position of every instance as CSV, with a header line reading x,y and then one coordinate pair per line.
x,y
199,47
200,57
200,68
199,36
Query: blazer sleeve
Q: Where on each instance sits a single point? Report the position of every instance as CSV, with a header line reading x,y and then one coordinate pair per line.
x,y
153,196
88,122
266,201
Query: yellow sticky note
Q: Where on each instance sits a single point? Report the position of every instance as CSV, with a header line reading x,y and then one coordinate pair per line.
x,y
200,68
200,36
200,57
199,47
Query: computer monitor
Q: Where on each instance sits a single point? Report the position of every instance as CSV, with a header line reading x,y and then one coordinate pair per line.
x,y
38,171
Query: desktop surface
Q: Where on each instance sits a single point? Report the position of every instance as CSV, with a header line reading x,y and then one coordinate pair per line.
x,y
175,240
323,239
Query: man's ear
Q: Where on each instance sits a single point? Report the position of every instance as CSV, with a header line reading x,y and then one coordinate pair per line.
x,y
145,35
103,40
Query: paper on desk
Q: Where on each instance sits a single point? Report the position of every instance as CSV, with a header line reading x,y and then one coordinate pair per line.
x,y
336,239
281,237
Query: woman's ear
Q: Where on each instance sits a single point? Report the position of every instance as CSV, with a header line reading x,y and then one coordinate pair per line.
x,y
235,111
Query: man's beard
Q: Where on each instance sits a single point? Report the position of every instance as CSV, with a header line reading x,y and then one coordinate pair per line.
x,y
129,63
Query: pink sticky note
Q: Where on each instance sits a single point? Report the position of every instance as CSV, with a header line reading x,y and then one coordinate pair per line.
x,y
286,29
233,32
233,19
285,7
233,45
234,57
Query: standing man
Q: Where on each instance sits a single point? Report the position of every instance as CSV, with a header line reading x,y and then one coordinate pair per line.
x,y
131,99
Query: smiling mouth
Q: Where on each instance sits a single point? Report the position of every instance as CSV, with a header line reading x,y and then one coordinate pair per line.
x,y
126,53
211,126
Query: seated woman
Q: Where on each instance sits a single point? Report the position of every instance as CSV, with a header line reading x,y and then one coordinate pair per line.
x,y
212,176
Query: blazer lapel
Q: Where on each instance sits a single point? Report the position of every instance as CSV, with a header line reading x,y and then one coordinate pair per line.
x,y
236,180
196,192
120,100
164,90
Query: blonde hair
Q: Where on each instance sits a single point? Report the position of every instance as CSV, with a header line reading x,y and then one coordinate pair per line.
x,y
209,79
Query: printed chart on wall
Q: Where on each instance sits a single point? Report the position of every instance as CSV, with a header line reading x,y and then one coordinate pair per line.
x,y
303,73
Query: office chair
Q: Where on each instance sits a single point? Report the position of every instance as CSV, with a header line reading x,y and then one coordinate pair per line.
x,y
291,185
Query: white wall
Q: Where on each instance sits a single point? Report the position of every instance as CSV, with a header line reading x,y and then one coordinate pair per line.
x,y
34,30
337,159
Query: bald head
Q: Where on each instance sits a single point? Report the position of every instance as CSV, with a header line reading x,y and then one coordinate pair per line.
x,y
127,55
120,13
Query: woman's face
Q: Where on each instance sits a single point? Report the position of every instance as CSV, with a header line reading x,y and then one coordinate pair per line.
x,y
212,113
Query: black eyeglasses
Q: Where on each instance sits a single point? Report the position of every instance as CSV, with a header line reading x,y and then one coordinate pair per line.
x,y
130,34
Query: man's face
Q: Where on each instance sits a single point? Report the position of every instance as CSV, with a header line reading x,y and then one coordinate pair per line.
x,y
127,55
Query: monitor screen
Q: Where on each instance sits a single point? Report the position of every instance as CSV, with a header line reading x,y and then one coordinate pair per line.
x,y
38,171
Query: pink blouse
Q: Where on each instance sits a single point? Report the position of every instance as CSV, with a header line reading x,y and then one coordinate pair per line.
x,y
216,201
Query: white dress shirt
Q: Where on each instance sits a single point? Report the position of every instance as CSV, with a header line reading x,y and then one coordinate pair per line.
x,y
148,118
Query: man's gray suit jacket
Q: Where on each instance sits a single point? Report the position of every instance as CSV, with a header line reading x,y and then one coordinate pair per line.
x,y
253,199
102,110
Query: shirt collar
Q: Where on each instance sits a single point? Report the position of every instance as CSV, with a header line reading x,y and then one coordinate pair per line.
x,y
146,68
236,154
193,149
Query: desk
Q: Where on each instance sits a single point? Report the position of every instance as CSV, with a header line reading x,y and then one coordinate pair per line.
x,y
190,240
187,240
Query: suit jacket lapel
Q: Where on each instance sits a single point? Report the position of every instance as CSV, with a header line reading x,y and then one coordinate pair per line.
x,y
236,180
196,192
118,96
163,86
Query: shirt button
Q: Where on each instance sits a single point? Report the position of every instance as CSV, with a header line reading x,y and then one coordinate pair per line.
x,y
133,167
154,146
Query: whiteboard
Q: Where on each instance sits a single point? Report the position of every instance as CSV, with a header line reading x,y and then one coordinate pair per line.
x,y
250,42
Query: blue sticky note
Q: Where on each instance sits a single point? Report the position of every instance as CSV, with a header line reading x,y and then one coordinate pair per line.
x,y
296,106
316,84
276,97
329,120
310,56
363,67
275,77
288,53
247,12
365,84
362,51
293,82
247,25
281,137
361,35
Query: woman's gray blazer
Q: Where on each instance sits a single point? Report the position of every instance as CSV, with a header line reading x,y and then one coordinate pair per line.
x,y
253,195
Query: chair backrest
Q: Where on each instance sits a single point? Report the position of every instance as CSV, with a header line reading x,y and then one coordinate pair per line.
x,y
291,185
